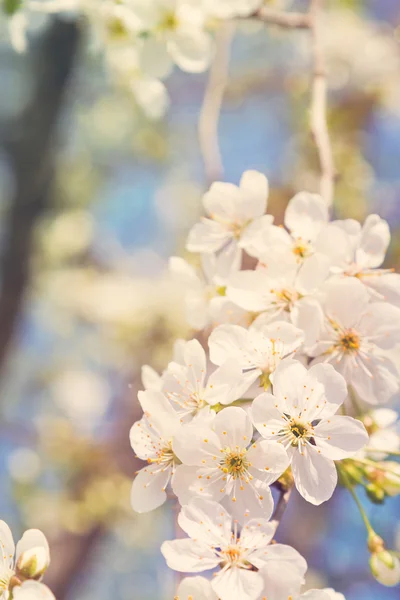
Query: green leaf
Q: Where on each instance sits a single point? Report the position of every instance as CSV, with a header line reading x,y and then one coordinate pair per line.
x,y
10,7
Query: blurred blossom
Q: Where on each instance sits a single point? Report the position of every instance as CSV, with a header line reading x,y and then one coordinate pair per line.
x,y
24,465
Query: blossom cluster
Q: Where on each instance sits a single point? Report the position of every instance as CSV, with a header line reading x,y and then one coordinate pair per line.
x,y
141,41
298,353
22,567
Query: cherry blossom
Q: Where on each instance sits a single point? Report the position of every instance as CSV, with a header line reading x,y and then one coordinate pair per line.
x,y
241,555
198,588
301,415
383,428
283,292
222,461
32,590
325,594
232,214
29,559
151,439
258,351
355,338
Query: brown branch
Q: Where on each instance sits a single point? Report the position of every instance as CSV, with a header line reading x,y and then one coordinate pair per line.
x,y
212,104
287,20
281,506
318,110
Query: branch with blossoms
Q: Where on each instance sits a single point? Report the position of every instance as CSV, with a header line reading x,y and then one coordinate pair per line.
x,y
299,353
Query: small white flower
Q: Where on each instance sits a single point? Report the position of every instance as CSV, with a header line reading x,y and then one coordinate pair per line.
x,y
151,439
355,338
231,211
223,462
285,292
32,556
300,414
175,28
197,588
205,301
212,543
191,392
325,594
258,351
385,567
32,590
383,428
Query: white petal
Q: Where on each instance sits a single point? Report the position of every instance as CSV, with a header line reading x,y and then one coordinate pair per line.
x,y
186,484
195,359
159,411
250,499
305,215
254,186
228,341
250,290
269,458
375,238
198,588
313,272
154,59
208,236
334,385
148,488
346,301
254,237
151,96
33,538
193,443
383,417
237,584
382,321
189,556
340,437
206,521
307,315
387,285
191,49
32,590
257,534
283,572
7,545
314,475
378,386
233,427
288,380
267,416
151,379
183,272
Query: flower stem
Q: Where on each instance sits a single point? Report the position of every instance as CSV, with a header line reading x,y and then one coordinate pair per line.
x,y
346,481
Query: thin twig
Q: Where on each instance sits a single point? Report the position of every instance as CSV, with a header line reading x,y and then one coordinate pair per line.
x,y
281,507
318,111
212,103
287,20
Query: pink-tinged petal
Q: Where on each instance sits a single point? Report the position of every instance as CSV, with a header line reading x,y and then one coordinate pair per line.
x,y
159,412
269,458
189,556
237,584
305,215
381,321
346,300
207,521
194,443
207,236
283,570
340,437
228,341
196,588
314,475
148,488
267,416
375,238
287,382
233,427
254,188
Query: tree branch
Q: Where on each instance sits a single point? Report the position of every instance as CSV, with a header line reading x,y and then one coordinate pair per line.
x,y
28,144
212,104
287,20
281,506
318,110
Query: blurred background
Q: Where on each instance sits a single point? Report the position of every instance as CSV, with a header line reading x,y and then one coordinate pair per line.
x,y
93,200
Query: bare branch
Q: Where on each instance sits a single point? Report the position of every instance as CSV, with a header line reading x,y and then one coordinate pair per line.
x,y
287,20
212,103
318,110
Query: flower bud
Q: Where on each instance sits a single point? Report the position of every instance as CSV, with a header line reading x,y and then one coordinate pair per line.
x,y
391,480
375,493
385,567
32,563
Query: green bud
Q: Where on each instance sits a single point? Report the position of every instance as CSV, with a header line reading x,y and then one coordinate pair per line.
x,y
385,567
32,563
375,493
10,7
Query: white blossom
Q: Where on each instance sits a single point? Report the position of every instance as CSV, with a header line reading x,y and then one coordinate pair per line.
x,y
355,338
197,588
300,414
384,436
32,590
232,214
222,462
242,556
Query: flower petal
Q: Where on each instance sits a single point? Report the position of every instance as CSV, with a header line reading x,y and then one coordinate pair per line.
x,y
233,427
148,488
314,475
206,521
237,584
305,215
340,437
189,556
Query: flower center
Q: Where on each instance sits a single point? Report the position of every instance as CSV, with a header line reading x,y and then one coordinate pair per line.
x,y
165,456
169,22
235,462
5,578
286,297
349,341
301,249
233,554
297,433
